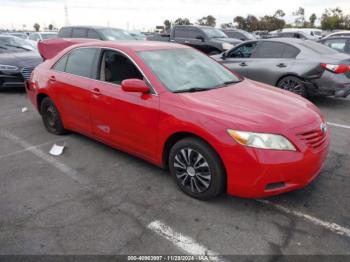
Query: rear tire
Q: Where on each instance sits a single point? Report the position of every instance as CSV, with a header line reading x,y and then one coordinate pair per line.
x,y
197,168
293,84
51,117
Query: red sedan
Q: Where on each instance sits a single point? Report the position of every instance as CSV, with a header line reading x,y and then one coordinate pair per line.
x,y
179,109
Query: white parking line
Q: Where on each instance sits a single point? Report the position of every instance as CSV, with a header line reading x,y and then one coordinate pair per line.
x,y
340,230
185,243
68,171
338,125
30,148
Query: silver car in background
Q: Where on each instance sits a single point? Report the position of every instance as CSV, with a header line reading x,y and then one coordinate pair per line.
x,y
300,66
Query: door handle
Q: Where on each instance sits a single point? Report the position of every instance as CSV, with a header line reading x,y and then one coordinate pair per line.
x,y
243,64
52,78
96,91
187,42
281,65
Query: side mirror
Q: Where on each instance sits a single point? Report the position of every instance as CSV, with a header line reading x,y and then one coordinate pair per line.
x,y
135,85
199,37
224,55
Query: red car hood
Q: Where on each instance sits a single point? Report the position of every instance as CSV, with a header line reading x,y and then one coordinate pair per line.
x,y
254,106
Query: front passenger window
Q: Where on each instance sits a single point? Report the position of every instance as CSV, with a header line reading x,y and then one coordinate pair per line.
x,y
244,51
116,67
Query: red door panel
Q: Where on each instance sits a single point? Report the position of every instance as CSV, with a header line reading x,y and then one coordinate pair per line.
x,y
73,96
129,120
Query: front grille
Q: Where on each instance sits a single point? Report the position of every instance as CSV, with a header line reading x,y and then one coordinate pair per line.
x,y
26,72
314,139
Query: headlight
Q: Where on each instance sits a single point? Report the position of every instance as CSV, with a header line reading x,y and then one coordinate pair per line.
x,y
227,46
262,140
8,68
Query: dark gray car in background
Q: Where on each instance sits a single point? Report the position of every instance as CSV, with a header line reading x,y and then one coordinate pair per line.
x,y
17,61
300,66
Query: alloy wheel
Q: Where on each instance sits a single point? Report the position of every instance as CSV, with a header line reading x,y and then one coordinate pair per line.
x,y
192,170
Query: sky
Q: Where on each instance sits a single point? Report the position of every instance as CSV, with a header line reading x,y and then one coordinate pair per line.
x,y
146,14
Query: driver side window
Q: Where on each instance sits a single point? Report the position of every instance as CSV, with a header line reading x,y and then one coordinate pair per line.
x,y
244,51
115,67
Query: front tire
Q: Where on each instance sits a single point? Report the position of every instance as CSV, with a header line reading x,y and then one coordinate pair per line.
x,y
293,84
197,168
51,117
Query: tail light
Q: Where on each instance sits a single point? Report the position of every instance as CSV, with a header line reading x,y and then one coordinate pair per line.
x,y
336,69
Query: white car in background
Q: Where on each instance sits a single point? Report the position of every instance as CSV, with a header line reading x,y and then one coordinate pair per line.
x,y
311,33
338,34
40,36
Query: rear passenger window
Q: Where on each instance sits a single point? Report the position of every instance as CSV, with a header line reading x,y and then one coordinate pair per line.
x,y
181,32
82,62
269,50
290,51
79,33
93,34
61,64
65,33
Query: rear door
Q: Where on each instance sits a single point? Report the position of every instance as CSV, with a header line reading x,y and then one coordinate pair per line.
x,y
271,60
70,80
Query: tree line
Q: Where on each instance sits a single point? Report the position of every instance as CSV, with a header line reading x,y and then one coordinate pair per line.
x,y
331,19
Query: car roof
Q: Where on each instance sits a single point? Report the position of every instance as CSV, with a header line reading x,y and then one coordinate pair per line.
x,y
90,27
135,45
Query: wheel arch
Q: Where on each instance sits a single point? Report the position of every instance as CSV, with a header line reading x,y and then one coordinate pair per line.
x,y
39,99
287,75
175,137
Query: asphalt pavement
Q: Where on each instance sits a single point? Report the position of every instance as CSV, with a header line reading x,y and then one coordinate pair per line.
x,y
94,199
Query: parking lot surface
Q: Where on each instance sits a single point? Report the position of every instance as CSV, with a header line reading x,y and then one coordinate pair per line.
x,y
97,200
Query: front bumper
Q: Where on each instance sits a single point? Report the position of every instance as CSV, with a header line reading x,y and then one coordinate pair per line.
x,y
255,173
13,80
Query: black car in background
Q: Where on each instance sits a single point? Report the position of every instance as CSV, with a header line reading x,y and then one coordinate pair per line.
x,y
339,43
238,34
301,66
17,60
207,39
94,32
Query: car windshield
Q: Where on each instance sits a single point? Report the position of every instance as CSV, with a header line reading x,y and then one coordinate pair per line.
x,y
116,34
182,70
318,48
13,42
318,33
23,36
48,36
213,32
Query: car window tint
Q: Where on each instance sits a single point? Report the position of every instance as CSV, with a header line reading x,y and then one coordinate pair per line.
x,y
318,48
79,33
181,32
237,35
244,51
290,51
82,62
269,50
65,32
93,34
61,64
116,67
338,44
194,32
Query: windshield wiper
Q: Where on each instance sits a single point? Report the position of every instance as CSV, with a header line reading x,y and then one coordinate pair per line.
x,y
192,90
21,47
231,82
